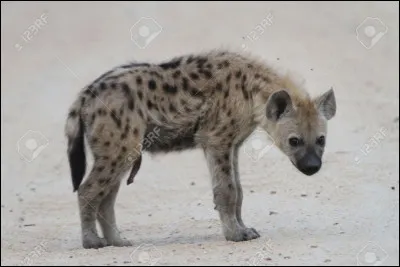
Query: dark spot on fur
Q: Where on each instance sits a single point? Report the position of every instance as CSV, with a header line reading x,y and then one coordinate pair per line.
x,y
93,118
113,164
176,74
169,89
233,122
172,108
196,93
257,76
266,79
230,186
226,94
107,143
112,170
238,74
149,104
206,73
101,193
194,76
72,114
128,95
172,64
136,132
115,118
209,66
226,63
139,80
101,112
226,170
140,113
185,83
140,95
83,99
226,156
94,140
190,59
103,86
228,78
124,149
113,86
133,65
219,87
220,66
100,168
121,111
152,85
250,66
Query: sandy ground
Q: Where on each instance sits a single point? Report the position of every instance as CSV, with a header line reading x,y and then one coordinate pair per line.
x,y
348,214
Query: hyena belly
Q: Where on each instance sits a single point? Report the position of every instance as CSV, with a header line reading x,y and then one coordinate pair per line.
x,y
159,138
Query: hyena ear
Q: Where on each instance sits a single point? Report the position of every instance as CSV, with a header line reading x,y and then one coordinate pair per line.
x,y
326,104
278,104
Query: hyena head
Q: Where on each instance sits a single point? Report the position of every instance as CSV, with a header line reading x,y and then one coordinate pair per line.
x,y
298,126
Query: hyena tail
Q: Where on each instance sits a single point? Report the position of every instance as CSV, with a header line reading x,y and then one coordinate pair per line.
x,y
74,130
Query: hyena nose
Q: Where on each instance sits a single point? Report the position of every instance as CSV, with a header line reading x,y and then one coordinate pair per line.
x,y
310,165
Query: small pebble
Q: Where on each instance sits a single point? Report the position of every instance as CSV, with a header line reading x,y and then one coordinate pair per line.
x,y
303,195
268,259
393,188
311,69
126,262
251,191
286,257
31,224
273,192
115,261
277,58
71,257
273,213
327,260
192,183
314,246
335,223
396,119
150,215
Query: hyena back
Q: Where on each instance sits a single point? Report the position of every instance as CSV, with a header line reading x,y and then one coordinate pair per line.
x,y
212,101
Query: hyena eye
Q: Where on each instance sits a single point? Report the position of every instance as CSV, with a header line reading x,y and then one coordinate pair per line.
x,y
321,141
294,141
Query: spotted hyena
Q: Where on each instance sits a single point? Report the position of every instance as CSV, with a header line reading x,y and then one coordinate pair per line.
x,y
212,101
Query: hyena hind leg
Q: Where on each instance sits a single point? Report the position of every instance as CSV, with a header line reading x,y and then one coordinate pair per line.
x,y
90,195
107,221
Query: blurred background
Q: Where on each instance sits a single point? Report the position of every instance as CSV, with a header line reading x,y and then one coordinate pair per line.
x,y
348,214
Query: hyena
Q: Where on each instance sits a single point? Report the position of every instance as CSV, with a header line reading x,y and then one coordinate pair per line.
x,y
211,101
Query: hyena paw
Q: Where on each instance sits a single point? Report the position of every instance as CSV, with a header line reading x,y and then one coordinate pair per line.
x,y
120,242
94,242
243,234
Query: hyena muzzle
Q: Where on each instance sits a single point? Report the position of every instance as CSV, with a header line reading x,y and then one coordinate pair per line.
x,y
211,101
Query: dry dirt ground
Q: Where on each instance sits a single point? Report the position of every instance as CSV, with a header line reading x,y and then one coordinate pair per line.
x,y
348,214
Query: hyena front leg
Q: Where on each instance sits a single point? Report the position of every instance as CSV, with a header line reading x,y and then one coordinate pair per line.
x,y
225,190
239,190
